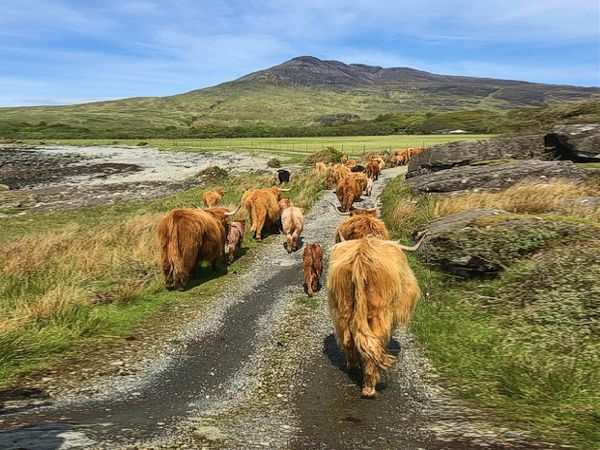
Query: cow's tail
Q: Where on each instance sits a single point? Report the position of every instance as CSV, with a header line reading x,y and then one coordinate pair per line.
x,y
369,346
169,240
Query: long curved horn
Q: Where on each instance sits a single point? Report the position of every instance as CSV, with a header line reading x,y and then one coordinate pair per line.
x,y
197,207
338,211
341,236
285,190
377,201
232,213
414,247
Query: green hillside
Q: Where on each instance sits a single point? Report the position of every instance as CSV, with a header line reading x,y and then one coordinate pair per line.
x,y
298,93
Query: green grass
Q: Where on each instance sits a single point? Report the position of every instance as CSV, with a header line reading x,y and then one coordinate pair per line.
x,y
524,345
293,149
69,278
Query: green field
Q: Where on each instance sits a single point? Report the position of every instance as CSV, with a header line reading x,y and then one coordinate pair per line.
x,y
290,149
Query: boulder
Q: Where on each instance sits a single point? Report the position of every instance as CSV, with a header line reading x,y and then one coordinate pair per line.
x,y
576,142
484,242
446,156
496,176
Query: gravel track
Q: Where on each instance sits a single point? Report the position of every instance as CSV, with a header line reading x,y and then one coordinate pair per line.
x,y
258,368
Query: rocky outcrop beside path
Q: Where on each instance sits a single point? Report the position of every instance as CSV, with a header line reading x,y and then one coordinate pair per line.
x,y
484,242
577,142
494,176
446,156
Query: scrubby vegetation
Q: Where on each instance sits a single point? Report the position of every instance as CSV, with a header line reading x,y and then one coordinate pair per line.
x,y
70,277
109,124
274,163
328,156
525,343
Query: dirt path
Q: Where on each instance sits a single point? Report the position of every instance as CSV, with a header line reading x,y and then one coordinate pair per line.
x,y
259,368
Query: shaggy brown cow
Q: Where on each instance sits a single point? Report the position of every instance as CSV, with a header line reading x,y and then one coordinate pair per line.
x,y
373,169
351,163
400,157
186,237
292,222
371,290
312,262
336,173
348,190
362,180
235,236
212,198
379,160
361,223
262,208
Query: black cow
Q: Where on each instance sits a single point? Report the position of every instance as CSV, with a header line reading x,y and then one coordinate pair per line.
x,y
283,176
358,168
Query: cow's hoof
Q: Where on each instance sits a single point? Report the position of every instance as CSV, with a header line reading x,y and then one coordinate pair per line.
x,y
368,393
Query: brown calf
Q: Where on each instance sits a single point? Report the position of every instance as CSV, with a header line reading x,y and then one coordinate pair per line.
x,y
312,261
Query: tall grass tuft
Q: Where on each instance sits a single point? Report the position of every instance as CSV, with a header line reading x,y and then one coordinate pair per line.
x,y
523,198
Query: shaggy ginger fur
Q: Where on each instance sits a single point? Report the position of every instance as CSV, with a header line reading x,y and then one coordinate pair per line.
x,y
362,180
336,173
312,264
262,208
235,237
371,290
373,169
212,198
369,189
292,222
361,224
348,190
186,237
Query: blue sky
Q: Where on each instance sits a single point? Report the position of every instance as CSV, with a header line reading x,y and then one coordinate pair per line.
x,y
62,51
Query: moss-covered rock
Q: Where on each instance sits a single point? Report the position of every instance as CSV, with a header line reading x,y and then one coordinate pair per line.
x,y
484,242
557,287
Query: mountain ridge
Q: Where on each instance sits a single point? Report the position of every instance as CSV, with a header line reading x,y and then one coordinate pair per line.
x,y
296,93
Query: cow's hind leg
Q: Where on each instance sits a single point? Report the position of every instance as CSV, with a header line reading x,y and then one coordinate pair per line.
x,y
259,227
308,278
167,270
349,350
295,239
370,376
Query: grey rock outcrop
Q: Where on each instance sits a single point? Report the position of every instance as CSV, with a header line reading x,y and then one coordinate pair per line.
x,y
484,242
494,176
577,142
446,156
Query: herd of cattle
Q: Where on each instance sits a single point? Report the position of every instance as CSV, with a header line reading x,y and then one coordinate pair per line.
x,y
370,285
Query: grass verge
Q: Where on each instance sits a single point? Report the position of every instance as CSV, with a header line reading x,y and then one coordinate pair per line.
x,y
525,344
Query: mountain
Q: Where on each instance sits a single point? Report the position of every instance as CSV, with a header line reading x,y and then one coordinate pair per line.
x,y
296,93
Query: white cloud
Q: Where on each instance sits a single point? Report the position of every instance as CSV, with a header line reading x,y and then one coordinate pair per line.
x,y
158,47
